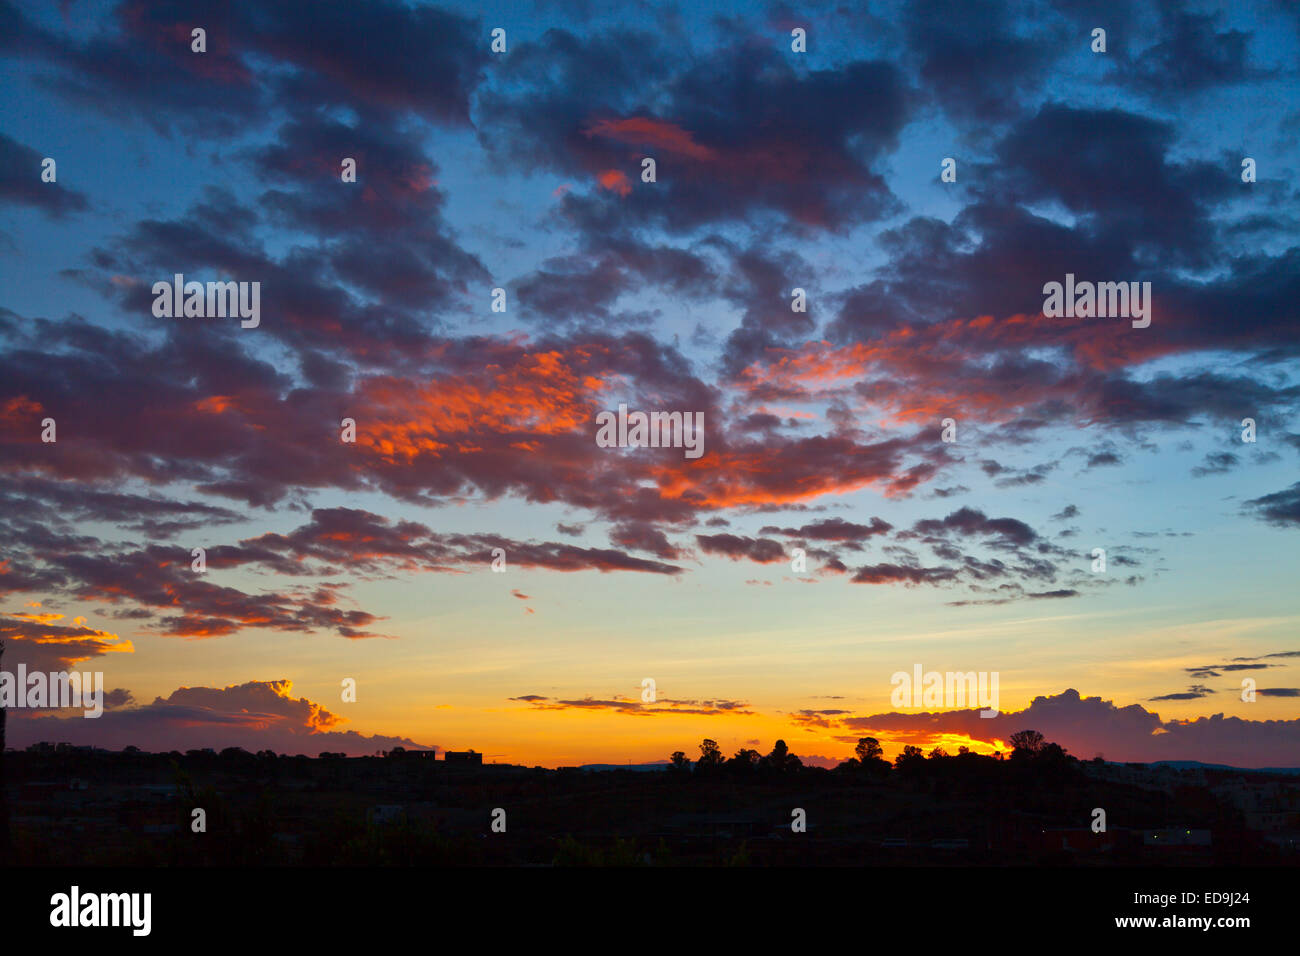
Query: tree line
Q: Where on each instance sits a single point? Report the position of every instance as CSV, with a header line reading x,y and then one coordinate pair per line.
x,y
1027,746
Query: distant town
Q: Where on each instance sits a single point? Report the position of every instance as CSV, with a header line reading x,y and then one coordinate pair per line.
x,y
72,805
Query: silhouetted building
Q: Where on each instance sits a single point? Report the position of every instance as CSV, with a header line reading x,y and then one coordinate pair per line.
x,y
1078,839
463,757
401,753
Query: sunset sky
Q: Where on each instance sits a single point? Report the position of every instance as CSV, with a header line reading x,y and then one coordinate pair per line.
x,y
476,429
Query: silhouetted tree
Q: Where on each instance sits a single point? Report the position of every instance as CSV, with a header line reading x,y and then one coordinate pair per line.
x,y
1047,763
744,762
870,758
868,748
1053,758
1052,751
912,758
710,756
780,760
1026,743
681,764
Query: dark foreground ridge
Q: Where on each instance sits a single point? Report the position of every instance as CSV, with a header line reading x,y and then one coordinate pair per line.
x,y
77,806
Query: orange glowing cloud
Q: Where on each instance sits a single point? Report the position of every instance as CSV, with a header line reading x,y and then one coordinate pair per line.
x,y
644,130
615,180
215,405
541,394
17,411
915,374
41,640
